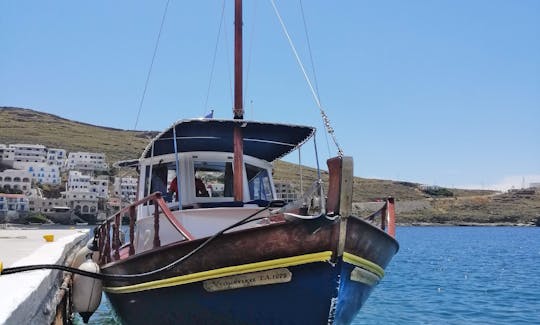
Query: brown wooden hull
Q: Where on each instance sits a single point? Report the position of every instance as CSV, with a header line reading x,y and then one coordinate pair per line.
x,y
267,247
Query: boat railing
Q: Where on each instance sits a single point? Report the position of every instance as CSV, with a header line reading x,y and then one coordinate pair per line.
x,y
108,233
387,217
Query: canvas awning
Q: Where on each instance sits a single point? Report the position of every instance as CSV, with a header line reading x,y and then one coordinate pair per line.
x,y
268,141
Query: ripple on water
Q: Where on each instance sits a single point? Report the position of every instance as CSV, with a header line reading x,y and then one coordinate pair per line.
x,y
460,275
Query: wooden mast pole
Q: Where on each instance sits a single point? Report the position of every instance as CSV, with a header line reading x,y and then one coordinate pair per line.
x,y
238,104
238,100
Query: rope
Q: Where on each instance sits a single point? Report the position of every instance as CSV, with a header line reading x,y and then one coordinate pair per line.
x,y
250,51
326,120
151,64
214,58
313,71
309,49
125,277
230,68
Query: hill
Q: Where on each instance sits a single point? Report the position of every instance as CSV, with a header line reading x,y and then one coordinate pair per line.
x,y
415,205
20,125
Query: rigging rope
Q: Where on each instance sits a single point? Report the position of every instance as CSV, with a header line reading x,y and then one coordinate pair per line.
x,y
151,64
250,51
230,68
309,50
313,66
326,120
214,58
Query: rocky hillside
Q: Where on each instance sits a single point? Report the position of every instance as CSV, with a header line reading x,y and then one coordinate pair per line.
x,y
19,125
414,205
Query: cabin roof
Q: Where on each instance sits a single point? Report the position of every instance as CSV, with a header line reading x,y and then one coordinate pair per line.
x,y
268,141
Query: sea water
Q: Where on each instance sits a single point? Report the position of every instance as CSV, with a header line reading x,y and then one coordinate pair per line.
x,y
460,275
449,275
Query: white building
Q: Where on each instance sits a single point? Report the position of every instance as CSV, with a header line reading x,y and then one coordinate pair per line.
x,y
41,172
125,188
56,157
100,186
12,179
13,203
83,202
87,161
78,182
41,204
286,192
7,155
28,153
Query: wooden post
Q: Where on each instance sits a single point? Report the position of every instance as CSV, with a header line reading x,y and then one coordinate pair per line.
x,y
384,212
340,186
108,242
391,217
101,245
116,236
238,164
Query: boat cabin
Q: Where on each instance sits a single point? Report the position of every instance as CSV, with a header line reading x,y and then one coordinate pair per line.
x,y
201,153
206,180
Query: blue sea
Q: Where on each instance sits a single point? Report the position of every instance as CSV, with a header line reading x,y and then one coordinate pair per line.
x,y
450,275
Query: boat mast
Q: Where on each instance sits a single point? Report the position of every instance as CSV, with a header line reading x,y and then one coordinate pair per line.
x,y
238,105
238,100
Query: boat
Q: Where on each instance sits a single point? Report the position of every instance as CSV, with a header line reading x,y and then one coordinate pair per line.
x,y
230,252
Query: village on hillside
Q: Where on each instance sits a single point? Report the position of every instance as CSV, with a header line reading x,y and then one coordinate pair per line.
x,y
40,185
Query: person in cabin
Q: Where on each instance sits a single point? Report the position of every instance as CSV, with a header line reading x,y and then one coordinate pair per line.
x,y
200,188
159,179
173,188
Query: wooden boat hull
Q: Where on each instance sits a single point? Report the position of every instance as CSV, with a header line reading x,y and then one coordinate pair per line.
x,y
302,272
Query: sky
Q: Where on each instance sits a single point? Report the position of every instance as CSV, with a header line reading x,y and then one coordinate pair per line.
x,y
440,93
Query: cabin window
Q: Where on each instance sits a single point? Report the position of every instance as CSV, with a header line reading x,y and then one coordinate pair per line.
x,y
162,177
158,181
213,179
259,183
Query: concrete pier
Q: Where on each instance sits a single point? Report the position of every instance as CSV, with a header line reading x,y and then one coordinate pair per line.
x,y
32,297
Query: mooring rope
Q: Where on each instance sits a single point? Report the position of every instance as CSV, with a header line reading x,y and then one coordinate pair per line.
x,y
125,277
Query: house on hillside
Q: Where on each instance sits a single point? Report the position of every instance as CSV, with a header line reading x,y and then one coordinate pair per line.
x,y
15,180
86,162
13,205
42,173
7,156
286,192
78,182
35,159
56,157
125,188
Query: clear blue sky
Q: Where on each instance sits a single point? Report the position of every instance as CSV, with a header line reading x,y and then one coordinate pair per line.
x,y
435,92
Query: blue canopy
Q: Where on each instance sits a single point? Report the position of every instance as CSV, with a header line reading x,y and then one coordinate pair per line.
x,y
268,141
